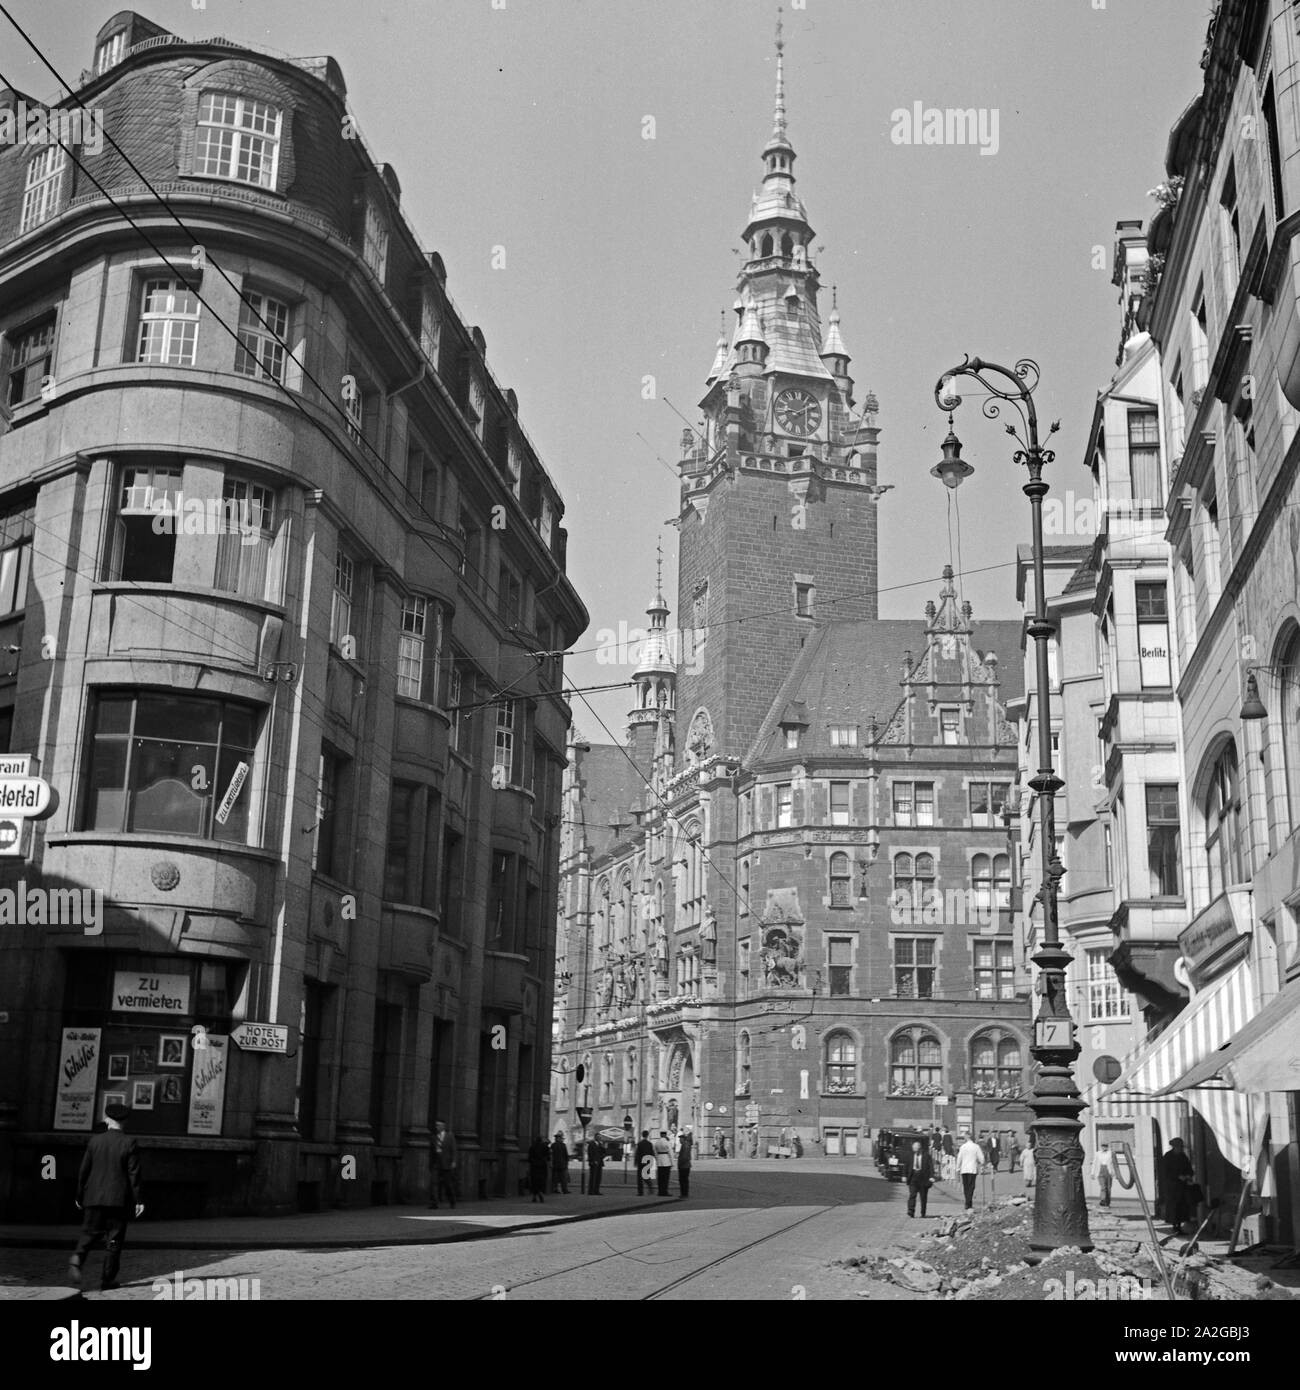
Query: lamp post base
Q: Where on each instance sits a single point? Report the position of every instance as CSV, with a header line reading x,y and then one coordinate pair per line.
x,y
1060,1209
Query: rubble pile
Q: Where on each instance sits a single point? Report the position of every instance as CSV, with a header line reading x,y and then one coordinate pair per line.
x,y
986,1256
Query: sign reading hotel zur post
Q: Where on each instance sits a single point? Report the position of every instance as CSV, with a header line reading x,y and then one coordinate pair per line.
x,y
208,1086
136,993
261,1037
74,1102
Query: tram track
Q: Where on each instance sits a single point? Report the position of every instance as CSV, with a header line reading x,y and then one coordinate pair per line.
x,y
694,1232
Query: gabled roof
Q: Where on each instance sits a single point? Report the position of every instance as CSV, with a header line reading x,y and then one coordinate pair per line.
x,y
852,670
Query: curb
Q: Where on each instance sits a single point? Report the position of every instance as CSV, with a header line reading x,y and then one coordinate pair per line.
x,y
353,1243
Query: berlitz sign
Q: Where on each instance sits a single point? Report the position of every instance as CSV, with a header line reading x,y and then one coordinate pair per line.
x,y
1213,930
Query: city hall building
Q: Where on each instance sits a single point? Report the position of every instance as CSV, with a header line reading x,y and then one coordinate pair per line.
x,y
272,543
787,901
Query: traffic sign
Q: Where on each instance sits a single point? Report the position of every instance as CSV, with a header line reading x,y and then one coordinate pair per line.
x,y
261,1037
24,796
11,839
584,1115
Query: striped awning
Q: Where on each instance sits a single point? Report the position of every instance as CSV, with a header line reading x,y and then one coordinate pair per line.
x,y
1228,1115
1214,1016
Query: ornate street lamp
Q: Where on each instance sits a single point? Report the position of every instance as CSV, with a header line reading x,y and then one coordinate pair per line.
x,y
1060,1212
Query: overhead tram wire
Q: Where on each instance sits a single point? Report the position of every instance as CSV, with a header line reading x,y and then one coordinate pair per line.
x,y
185,273
327,397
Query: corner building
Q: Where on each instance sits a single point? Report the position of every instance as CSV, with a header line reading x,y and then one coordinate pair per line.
x,y
786,902
272,541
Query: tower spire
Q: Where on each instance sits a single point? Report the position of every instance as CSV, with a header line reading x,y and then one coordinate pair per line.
x,y
778,122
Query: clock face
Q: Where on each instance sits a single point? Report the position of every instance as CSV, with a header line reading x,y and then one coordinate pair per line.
x,y
797,411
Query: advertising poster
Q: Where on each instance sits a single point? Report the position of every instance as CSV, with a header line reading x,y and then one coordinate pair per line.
x,y
74,1101
208,1085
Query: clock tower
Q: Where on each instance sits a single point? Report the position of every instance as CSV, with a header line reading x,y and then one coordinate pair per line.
x,y
779,494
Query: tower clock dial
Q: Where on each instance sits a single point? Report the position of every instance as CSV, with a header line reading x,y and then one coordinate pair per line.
x,y
798,411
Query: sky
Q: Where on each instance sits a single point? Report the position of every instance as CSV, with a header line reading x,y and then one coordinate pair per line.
x,y
521,124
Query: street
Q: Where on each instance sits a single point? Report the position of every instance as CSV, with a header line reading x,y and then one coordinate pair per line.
x,y
767,1230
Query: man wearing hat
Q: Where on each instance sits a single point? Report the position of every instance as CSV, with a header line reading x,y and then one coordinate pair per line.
x,y
108,1185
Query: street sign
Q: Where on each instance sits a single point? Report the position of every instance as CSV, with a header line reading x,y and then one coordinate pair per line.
x,y
11,839
16,765
1053,1032
261,1037
584,1113
24,796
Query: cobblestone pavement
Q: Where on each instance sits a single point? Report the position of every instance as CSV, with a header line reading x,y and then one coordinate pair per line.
x,y
760,1230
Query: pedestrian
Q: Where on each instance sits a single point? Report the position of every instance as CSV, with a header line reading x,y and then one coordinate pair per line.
x,y
645,1164
1029,1162
970,1157
920,1177
442,1180
685,1150
1103,1169
995,1153
1177,1178
663,1162
539,1162
109,1185
1014,1161
559,1164
720,1146
595,1165
948,1146
796,1144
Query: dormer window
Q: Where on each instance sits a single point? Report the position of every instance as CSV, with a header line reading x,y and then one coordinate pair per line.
x,y
430,327
375,244
43,187
792,738
111,52
238,138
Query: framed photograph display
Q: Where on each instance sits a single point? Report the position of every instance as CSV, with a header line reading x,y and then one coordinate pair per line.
x,y
171,1050
142,1095
119,1066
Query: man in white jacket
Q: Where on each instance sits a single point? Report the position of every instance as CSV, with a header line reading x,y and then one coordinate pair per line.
x,y
970,1158
1103,1169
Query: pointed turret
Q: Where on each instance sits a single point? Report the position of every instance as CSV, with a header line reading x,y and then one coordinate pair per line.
x,y
655,677
834,353
720,354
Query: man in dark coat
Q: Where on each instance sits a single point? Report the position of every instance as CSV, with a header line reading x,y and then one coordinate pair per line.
x,y
442,1167
559,1164
685,1144
108,1186
920,1177
645,1172
596,1164
1177,1176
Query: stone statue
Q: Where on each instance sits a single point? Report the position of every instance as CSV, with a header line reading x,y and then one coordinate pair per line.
x,y
607,988
620,987
709,936
661,952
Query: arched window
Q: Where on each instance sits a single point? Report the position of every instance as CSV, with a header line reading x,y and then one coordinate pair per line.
x,y
841,1064
841,881
787,244
1285,707
742,1064
995,1065
767,244
607,1079
915,877
981,879
915,1064
744,887
1222,807
630,1075
602,913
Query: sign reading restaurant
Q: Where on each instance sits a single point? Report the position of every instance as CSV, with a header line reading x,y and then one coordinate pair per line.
x,y
134,993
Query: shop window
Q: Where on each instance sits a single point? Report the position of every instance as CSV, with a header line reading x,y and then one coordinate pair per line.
x,y
171,764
